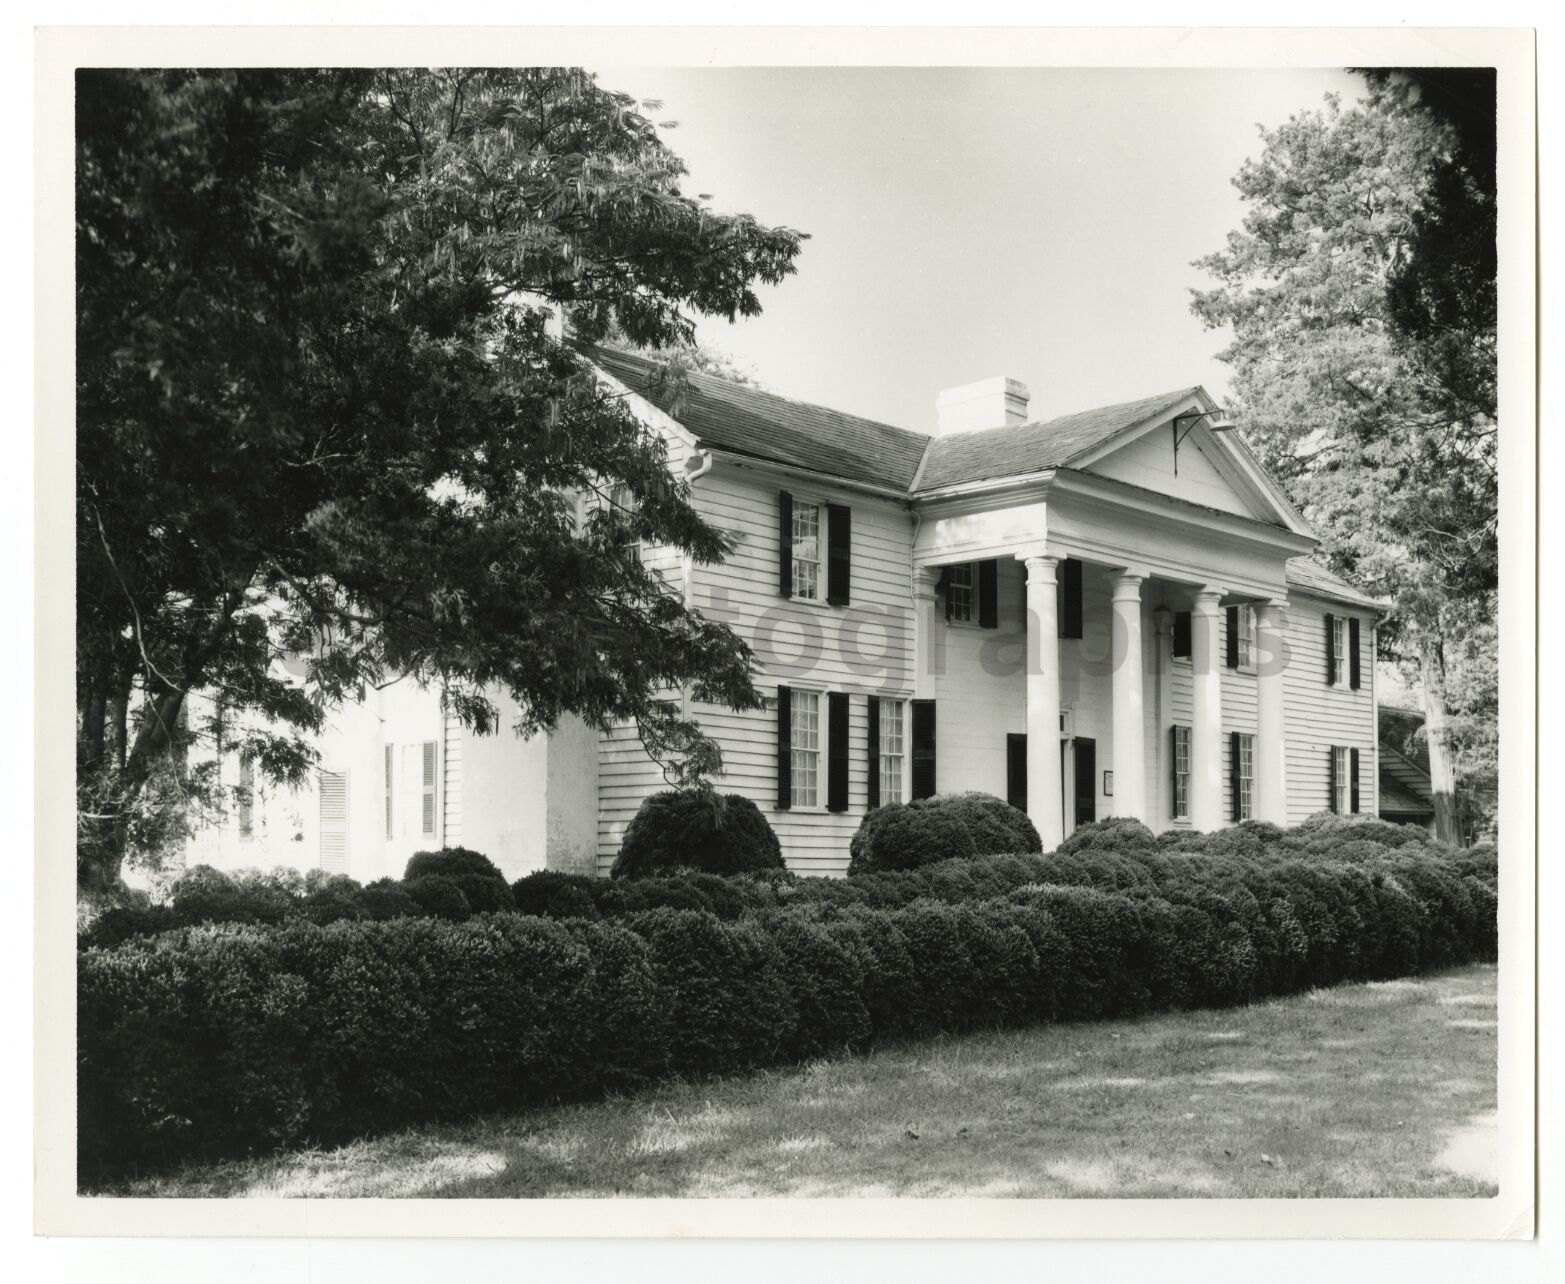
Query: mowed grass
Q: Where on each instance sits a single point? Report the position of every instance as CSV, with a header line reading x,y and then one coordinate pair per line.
x,y
1375,1090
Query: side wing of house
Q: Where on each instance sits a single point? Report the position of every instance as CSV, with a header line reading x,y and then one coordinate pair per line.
x,y
1330,703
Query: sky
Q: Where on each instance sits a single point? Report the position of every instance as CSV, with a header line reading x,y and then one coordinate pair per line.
x,y
965,223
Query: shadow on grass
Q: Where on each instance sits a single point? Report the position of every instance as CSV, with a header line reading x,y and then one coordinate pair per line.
x,y
1360,1091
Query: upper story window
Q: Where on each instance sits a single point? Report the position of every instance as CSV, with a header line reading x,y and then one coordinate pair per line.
x,y
624,503
806,550
1245,619
961,592
1339,651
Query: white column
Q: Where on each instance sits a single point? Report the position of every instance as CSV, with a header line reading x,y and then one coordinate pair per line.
x,y
1044,801
1206,720
925,622
1130,753
1158,789
1271,758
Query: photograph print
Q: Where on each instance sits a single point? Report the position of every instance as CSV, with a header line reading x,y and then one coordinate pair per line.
x,y
922,632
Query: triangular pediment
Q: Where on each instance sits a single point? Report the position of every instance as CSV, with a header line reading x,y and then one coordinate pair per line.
x,y
1213,470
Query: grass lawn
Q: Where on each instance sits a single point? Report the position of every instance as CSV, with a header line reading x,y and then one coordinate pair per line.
x,y
1364,1090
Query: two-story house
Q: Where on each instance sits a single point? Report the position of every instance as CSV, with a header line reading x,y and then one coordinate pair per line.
x,y
1108,613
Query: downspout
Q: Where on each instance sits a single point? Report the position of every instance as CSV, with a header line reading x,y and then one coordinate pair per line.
x,y
688,569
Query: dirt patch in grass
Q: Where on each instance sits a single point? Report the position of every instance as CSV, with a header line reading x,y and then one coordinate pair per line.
x,y
1360,1091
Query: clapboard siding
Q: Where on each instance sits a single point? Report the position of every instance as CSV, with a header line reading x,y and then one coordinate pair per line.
x,y
1319,716
451,791
864,648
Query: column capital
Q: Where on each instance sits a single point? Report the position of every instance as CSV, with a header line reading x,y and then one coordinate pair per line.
x,y
1271,611
1039,563
1126,584
1207,600
925,578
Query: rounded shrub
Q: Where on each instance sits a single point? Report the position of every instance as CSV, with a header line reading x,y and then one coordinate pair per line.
x,y
900,836
385,899
998,829
1111,834
550,894
439,897
479,878
697,831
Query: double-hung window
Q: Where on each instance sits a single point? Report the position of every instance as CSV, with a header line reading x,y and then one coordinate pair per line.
x,y
1244,777
1246,622
807,550
623,501
1181,773
961,592
1341,780
1339,651
891,751
805,747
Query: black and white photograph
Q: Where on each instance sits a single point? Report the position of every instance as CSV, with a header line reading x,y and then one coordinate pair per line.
x,y
920,634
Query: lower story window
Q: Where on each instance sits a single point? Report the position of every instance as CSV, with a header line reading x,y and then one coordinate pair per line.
x,y
890,751
1341,782
1244,777
805,743
1181,773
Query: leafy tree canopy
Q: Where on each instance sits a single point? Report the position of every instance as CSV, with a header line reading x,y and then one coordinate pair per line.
x,y
320,412
1364,366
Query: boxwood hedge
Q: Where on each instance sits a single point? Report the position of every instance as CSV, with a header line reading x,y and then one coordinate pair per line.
x,y
226,1039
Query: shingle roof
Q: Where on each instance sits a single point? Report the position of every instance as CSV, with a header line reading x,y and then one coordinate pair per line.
x,y
1307,574
734,416
1395,798
1399,729
1027,448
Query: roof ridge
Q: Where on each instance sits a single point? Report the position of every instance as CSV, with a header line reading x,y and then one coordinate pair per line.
x,y
749,389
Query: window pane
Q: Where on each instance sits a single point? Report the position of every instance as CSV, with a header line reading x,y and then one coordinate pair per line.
x,y
960,580
805,744
1181,771
890,751
806,550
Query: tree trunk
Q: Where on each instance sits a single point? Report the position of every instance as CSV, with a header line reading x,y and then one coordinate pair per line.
x,y
1442,758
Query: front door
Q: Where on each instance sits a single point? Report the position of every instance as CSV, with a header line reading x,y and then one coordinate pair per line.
x,y
1086,792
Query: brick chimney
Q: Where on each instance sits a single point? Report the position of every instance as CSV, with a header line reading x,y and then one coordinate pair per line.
x,y
990,403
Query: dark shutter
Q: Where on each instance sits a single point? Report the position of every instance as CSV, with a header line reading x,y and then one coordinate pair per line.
x,y
942,587
872,709
989,594
837,751
1070,598
923,747
1331,648
784,544
1086,782
1353,780
1233,772
1016,770
1331,777
1233,637
1182,634
1353,655
839,553
784,748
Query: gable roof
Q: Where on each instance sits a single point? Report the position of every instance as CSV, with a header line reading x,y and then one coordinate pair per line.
x,y
1398,731
747,421
1031,447
1308,575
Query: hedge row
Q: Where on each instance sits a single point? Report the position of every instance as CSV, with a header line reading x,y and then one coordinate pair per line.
x,y
453,883
221,1040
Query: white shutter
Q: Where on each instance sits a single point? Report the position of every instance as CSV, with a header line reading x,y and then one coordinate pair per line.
x,y
427,818
334,821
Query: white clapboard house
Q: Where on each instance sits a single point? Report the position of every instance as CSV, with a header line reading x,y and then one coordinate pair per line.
x,y
1109,613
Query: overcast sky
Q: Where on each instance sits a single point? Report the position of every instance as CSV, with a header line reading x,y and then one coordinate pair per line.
x,y
973,222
